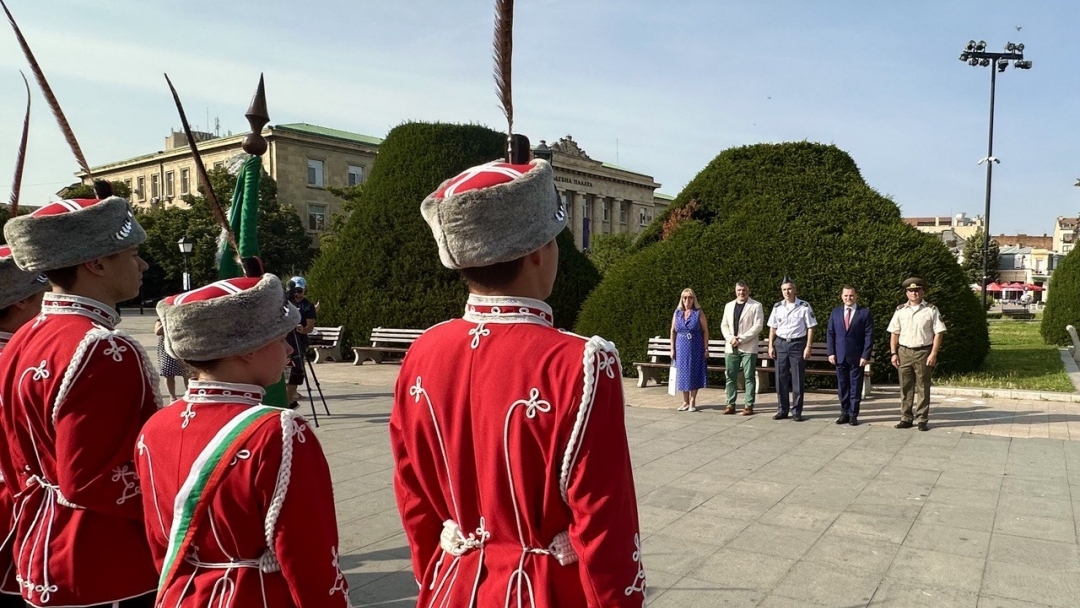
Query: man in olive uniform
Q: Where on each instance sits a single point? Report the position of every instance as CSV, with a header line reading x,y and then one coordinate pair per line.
x,y
915,329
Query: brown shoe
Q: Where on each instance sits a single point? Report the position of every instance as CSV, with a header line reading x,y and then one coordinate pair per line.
x,y
748,411
729,410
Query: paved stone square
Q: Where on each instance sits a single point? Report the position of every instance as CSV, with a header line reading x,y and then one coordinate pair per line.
x,y
747,511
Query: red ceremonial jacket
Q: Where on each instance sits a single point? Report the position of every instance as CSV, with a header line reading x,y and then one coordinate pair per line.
x,y
512,463
75,393
8,584
229,564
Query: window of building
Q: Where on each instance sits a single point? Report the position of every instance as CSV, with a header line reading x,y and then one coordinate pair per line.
x,y
185,181
315,173
169,193
622,212
140,188
317,217
155,187
356,175
1066,248
605,208
566,205
219,164
1018,261
586,202
643,218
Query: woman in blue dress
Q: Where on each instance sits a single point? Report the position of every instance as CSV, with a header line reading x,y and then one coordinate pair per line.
x,y
689,348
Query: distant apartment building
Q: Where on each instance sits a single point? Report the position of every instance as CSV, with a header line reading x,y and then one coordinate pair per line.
x,y
960,224
1065,229
1024,240
306,159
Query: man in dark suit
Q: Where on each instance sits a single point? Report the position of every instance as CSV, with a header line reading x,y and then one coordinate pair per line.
x,y
849,338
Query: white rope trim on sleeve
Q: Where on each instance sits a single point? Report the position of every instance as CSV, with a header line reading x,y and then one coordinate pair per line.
x,y
592,365
80,358
289,428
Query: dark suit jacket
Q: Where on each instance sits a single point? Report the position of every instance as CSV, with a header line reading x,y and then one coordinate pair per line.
x,y
850,345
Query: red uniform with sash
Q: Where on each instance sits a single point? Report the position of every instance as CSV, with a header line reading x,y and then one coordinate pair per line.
x,y
239,504
75,393
513,474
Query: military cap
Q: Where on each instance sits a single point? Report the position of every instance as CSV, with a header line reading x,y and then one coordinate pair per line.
x,y
914,282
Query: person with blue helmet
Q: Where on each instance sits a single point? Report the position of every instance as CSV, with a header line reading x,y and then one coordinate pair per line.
x,y
298,339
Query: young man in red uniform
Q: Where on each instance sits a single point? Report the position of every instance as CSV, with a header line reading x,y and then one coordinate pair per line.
x,y
75,393
513,475
238,498
20,301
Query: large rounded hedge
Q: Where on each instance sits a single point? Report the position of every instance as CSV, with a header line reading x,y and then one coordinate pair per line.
x,y
1062,300
382,269
768,211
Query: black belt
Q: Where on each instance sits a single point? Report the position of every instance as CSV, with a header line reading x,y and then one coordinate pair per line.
x,y
803,338
927,347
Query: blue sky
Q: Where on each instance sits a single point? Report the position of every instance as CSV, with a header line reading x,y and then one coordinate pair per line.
x,y
659,87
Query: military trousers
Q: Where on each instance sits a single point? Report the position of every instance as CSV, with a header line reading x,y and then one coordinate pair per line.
x,y
914,383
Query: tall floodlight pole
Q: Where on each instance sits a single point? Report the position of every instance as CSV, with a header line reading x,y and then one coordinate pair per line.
x,y
976,55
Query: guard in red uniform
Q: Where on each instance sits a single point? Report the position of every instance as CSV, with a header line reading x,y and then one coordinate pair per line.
x,y
238,498
513,475
20,302
75,392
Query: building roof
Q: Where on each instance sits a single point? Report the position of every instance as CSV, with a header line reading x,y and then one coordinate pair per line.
x,y
303,127
662,196
1015,250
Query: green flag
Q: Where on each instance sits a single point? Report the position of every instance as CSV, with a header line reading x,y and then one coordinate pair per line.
x,y
244,221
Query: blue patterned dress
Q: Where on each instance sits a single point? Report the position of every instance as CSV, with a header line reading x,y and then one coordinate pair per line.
x,y
689,352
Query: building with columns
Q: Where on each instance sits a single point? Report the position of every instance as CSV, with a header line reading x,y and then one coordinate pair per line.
x,y
305,160
600,197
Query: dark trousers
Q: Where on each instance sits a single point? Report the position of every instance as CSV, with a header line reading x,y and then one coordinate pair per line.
x,y
914,384
849,381
790,369
143,601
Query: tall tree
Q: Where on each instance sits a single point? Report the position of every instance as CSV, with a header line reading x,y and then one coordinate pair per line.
x,y
973,257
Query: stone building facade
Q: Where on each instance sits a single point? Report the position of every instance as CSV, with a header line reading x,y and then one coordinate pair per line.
x,y
600,197
303,159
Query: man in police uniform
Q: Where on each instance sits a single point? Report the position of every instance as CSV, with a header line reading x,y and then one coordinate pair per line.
x,y
791,332
915,329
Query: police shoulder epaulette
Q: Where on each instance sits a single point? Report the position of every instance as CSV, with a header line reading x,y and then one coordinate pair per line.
x,y
777,305
901,307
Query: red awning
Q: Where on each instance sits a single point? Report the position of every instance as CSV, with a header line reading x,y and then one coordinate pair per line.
x,y
993,287
1013,287
1033,287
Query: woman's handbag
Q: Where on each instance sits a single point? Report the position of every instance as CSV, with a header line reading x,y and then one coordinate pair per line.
x,y
671,381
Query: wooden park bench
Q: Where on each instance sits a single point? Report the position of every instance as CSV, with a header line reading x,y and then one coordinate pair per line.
x,y
386,342
817,364
659,353
326,342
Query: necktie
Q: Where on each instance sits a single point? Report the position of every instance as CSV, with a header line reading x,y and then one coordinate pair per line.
x,y
847,319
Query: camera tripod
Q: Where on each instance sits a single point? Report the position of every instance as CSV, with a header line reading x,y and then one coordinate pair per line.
x,y
311,398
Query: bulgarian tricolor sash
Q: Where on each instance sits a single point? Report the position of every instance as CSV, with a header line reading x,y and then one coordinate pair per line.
x,y
205,475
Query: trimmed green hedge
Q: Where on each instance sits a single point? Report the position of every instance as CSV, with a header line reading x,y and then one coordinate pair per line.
x,y
820,225
1063,300
383,269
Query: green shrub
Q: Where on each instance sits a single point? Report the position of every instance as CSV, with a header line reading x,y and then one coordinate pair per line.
x,y
1063,300
840,232
382,267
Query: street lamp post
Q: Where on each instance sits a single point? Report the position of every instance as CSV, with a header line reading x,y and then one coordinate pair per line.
x,y
186,247
976,55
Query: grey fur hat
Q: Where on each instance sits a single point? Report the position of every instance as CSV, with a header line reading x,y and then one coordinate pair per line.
x,y
68,233
17,284
494,213
226,318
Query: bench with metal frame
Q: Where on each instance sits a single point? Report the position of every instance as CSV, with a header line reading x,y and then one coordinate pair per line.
x,y
326,342
659,353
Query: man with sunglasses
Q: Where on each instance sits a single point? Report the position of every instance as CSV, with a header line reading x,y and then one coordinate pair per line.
x,y
298,339
915,329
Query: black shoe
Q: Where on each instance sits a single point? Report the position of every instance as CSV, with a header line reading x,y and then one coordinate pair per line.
x,y
798,418
294,405
854,422
903,424
843,419
923,426
779,416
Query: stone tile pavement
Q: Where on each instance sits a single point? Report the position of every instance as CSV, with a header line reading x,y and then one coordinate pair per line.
x,y
982,511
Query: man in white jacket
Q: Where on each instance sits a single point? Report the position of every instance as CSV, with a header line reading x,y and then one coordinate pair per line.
x,y
741,326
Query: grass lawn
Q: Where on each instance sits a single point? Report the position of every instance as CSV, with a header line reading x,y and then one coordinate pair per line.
x,y
1018,359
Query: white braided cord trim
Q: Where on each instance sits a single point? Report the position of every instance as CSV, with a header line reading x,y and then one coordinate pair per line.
x,y
591,367
288,431
79,361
